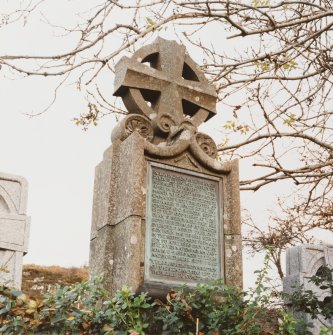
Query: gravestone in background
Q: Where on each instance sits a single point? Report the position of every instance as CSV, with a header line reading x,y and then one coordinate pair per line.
x,y
166,211
14,228
303,262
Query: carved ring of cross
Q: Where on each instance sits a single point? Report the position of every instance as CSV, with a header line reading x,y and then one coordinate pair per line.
x,y
163,74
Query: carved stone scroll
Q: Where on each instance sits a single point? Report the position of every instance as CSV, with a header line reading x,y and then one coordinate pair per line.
x,y
132,123
207,144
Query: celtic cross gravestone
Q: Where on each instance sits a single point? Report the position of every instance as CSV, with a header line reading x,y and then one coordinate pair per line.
x,y
14,228
166,211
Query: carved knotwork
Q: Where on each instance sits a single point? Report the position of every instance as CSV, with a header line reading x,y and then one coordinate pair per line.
x,y
207,144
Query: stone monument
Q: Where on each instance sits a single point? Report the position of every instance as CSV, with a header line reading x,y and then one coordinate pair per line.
x,y
166,211
303,262
14,228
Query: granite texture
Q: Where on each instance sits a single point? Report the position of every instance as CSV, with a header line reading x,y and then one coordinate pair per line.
x,y
129,179
158,72
101,252
302,263
123,205
127,261
117,254
14,228
233,264
102,192
232,219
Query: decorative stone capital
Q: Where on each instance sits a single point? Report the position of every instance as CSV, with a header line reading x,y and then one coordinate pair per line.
x,y
133,123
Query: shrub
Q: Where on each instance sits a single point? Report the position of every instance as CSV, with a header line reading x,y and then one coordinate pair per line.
x,y
213,309
77,309
306,301
38,280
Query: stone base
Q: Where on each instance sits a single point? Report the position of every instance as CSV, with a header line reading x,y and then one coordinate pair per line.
x,y
117,254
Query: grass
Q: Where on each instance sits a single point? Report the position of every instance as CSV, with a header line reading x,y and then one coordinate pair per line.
x,y
38,279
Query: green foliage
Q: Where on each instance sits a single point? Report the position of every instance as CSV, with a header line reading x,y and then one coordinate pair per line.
x,y
291,65
151,24
264,65
210,308
241,128
306,301
4,269
81,308
90,118
290,120
257,3
129,312
213,309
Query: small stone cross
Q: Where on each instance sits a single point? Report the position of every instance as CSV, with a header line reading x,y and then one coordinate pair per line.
x,y
161,80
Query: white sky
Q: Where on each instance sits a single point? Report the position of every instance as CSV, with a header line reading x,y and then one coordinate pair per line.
x,y
57,157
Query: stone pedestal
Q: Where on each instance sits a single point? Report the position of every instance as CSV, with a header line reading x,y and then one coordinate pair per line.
x,y
304,262
166,211
131,245
14,228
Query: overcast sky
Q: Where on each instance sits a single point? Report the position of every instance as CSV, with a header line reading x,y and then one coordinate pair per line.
x,y
57,157
50,151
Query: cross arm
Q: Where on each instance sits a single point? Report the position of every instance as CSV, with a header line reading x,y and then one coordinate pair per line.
x,y
199,94
134,74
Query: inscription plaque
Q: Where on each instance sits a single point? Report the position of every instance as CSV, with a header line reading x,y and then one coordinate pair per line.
x,y
183,226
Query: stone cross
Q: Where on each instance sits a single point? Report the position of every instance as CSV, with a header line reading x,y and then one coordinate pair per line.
x,y
166,212
173,85
14,228
303,262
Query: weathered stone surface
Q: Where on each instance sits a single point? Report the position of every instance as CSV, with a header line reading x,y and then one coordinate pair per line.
x,y
232,219
304,262
233,275
167,101
11,268
117,254
14,228
102,192
128,260
133,123
172,83
101,252
14,232
131,170
123,198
